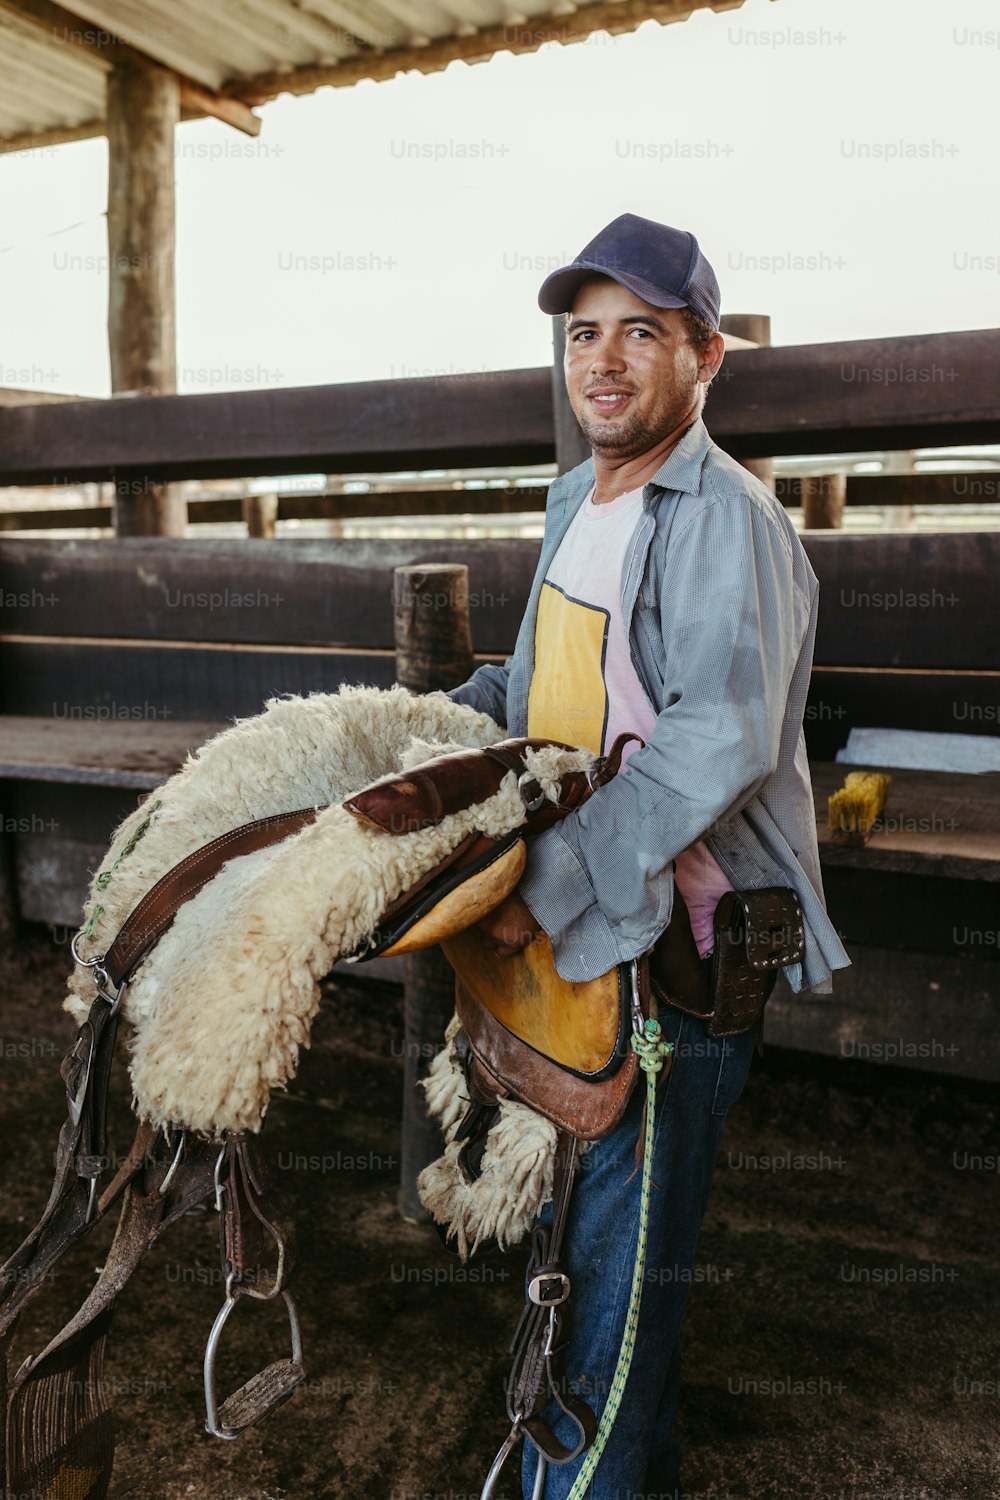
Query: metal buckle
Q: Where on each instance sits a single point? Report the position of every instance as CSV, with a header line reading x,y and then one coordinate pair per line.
x,y
540,1297
533,803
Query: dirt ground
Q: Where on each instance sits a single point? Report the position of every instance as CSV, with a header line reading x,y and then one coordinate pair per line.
x,y
841,1341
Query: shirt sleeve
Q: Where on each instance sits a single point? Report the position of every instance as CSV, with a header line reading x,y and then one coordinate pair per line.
x,y
600,882
486,690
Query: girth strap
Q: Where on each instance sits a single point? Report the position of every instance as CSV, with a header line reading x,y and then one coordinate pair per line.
x,y
539,1342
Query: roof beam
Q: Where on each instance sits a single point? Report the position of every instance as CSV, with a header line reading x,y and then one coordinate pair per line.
x,y
62,135
65,28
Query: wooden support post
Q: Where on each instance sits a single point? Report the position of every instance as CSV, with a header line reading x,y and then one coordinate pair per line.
x,y
823,497
433,650
756,329
431,624
260,512
9,914
143,108
572,447
899,517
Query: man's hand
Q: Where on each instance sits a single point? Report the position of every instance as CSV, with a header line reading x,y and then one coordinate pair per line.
x,y
510,925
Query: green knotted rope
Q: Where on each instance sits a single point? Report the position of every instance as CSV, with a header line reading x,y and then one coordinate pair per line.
x,y
104,878
652,1050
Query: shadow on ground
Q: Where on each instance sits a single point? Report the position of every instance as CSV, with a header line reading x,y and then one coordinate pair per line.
x,y
840,1344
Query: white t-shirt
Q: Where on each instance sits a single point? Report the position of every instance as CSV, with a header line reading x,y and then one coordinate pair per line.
x,y
584,688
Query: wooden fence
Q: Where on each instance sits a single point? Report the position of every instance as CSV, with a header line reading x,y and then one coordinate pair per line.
x,y
116,657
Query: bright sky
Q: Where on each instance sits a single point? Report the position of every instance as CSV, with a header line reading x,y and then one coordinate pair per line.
x,y
837,159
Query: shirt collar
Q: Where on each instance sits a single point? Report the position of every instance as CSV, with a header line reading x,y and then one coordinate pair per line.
x,y
681,470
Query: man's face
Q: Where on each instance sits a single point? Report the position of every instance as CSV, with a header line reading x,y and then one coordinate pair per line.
x,y
631,374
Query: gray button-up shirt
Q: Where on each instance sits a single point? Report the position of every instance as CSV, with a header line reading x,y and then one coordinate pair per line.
x,y
719,601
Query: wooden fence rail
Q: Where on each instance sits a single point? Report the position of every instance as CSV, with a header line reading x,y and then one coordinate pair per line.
x,y
935,389
863,490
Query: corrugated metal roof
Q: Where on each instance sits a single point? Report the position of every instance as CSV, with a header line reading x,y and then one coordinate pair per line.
x,y
54,58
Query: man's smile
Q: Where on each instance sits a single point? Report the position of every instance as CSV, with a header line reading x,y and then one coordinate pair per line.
x,y
609,399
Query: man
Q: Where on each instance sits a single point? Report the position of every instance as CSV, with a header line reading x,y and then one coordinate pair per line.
x,y
672,598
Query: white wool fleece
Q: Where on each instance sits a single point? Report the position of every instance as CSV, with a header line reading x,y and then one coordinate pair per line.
x,y
225,1000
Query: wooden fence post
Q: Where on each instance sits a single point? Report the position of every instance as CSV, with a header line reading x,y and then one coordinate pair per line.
x,y
572,447
433,650
756,329
260,512
823,498
143,108
9,916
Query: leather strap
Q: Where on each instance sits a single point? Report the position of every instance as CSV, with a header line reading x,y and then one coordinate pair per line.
x,y
539,1342
157,909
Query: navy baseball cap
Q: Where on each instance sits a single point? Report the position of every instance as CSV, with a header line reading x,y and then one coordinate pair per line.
x,y
663,266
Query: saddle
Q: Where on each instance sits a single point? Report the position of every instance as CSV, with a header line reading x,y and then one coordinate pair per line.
x,y
182,1155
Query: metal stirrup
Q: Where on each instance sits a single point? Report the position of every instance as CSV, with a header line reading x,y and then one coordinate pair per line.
x,y
263,1391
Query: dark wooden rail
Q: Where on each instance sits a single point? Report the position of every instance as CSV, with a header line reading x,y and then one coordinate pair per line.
x,y
933,389
875,490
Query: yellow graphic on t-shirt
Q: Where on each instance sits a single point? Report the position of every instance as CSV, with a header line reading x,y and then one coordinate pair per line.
x,y
568,697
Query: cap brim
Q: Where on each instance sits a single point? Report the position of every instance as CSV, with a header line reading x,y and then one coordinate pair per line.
x,y
557,291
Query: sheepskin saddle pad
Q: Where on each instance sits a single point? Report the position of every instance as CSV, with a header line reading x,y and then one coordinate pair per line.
x,y
219,1008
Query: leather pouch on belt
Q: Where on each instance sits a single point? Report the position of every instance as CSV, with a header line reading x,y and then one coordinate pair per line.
x,y
756,934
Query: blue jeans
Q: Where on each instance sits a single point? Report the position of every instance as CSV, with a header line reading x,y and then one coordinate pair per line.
x,y
642,1458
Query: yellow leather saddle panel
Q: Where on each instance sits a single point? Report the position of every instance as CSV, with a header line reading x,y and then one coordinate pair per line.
x,y
574,1024
476,897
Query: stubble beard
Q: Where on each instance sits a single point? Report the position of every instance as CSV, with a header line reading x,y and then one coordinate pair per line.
x,y
635,434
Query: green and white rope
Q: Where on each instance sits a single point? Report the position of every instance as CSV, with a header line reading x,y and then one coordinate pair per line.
x,y
652,1050
105,877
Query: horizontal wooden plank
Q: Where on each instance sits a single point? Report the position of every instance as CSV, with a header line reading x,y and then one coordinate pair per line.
x,y
137,754
905,599
912,392
894,599
56,518
931,1012
914,913
453,421
319,592
807,398
959,488
843,698
228,509
90,681
511,500
934,823
865,490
